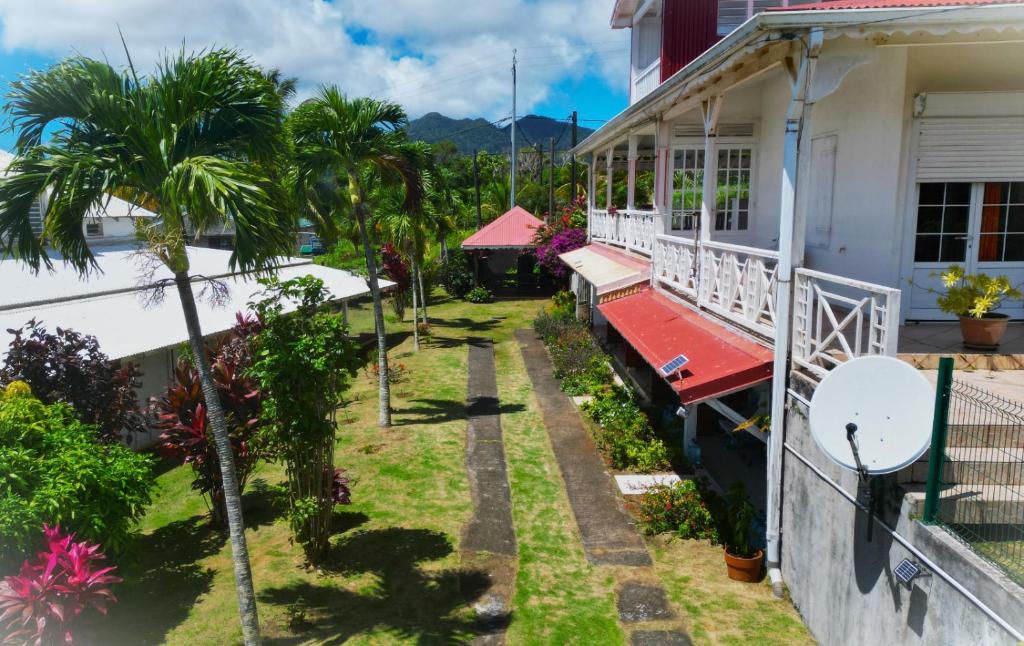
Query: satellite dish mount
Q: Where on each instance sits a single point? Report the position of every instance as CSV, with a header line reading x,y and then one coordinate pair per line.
x,y
866,482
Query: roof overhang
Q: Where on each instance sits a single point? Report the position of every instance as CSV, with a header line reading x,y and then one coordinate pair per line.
x,y
719,360
778,28
622,13
606,269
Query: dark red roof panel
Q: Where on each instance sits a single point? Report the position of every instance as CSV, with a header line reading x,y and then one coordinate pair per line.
x,y
888,4
512,230
720,361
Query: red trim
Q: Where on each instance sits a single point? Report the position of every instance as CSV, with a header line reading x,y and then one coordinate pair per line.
x,y
720,361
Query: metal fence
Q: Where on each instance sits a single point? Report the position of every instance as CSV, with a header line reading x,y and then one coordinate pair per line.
x,y
976,470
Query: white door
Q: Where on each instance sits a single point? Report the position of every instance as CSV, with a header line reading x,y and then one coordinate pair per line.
x,y
978,225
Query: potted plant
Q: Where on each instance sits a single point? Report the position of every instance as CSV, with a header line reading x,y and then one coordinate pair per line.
x,y
743,561
974,298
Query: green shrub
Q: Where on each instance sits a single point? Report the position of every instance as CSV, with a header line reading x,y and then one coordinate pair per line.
x,y
563,305
625,436
456,275
479,295
592,378
678,509
53,470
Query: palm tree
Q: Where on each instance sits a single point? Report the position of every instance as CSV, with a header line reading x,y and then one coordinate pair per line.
x,y
197,140
337,142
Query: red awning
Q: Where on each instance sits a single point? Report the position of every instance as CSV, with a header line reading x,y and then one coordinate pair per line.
x,y
512,230
720,361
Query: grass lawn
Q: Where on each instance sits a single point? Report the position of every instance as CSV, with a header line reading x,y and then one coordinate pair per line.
x,y
394,571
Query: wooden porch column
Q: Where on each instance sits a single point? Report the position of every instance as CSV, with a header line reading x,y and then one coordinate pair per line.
x,y
631,173
662,172
608,178
710,109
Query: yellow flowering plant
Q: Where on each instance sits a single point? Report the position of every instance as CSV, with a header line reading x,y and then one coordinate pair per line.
x,y
973,294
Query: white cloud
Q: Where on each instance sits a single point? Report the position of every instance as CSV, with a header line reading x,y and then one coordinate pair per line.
x,y
444,55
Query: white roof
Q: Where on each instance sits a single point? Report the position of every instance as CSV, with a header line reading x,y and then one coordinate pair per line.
x,y
113,207
110,307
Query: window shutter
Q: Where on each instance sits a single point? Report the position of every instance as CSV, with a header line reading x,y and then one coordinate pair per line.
x,y
970,149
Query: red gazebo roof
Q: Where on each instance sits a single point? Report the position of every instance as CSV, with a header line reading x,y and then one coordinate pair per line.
x,y
512,230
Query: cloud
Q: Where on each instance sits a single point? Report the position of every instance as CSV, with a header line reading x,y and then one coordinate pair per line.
x,y
450,56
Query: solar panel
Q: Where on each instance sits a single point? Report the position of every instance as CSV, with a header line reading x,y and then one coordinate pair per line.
x,y
674,365
906,571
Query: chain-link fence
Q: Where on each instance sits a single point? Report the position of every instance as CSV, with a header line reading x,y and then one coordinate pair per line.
x,y
976,487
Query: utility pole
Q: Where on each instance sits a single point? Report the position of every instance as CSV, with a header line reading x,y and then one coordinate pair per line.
x,y
513,198
476,187
551,179
572,161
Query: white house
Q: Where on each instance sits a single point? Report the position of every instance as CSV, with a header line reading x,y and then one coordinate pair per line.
x,y
116,304
796,174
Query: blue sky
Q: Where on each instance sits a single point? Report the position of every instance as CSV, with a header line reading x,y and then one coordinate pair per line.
x,y
430,55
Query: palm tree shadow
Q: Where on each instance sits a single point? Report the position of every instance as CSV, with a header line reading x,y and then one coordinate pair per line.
x,y
162,584
407,601
472,325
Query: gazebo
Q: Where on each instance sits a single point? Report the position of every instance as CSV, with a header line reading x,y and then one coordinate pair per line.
x,y
500,250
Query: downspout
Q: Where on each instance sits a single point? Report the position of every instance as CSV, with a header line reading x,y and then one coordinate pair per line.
x,y
797,117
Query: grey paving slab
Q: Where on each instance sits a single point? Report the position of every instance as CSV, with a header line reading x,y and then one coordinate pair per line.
x,y
659,638
608,535
642,602
490,529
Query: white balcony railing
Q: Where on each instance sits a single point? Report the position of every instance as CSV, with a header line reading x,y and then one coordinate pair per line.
x,y
738,283
734,282
631,229
836,319
645,81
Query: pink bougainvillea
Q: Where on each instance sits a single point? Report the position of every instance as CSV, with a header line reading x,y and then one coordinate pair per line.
x,y
562,242
41,603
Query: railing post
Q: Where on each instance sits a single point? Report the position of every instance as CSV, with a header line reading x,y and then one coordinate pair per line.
x,y
940,427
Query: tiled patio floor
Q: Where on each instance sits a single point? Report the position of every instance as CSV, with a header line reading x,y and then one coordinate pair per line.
x,y
944,337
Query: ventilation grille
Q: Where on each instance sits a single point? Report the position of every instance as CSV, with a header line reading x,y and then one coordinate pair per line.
x,y
724,130
35,218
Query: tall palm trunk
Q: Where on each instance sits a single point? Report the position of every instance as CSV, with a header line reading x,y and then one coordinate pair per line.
x,y
415,309
423,296
229,477
356,194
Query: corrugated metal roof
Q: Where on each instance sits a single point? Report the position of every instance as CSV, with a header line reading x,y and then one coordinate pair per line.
x,y
889,4
606,269
720,361
514,229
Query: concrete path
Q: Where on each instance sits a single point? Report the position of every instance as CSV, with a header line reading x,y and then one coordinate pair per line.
x,y
488,540
608,535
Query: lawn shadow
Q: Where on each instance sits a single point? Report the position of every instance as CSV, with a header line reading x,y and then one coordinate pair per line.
x,y
468,324
407,601
439,411
160,585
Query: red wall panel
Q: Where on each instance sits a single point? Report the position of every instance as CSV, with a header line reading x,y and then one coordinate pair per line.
x,y
688,28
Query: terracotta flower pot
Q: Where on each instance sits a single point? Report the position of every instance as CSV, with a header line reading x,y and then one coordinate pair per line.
x,y
745,570
984,333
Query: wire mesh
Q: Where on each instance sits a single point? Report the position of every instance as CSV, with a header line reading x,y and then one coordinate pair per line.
x,y
982,477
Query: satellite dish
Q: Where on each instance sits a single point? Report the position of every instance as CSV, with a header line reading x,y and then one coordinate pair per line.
x,y
880,405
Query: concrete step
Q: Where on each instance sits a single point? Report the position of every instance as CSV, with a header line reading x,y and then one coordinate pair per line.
x,y
967,464
974,504
986,435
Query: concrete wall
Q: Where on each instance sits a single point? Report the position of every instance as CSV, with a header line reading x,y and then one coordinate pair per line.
x,y
844,587
157,370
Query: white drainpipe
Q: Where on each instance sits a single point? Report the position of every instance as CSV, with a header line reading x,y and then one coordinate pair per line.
x,y
797,117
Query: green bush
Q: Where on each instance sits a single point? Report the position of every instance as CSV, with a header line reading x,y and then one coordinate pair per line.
x,y
563,305
456,275
679,509
479,295
54,470
625,436
590,379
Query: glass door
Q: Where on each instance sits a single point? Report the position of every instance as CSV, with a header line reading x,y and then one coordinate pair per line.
x,y
978,225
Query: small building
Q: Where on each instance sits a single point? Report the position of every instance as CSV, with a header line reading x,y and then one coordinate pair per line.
x,y
136,314
502,250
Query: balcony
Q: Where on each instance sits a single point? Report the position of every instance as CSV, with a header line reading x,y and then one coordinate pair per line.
x,y
629,228
834,318
645,81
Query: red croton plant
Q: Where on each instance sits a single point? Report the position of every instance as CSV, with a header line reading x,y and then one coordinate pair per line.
x,y
41,604
181,415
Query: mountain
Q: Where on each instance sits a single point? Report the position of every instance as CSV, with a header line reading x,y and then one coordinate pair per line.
x,y
479,134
